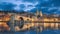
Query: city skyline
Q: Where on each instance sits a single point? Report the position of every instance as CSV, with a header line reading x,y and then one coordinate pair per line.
x,y
30,16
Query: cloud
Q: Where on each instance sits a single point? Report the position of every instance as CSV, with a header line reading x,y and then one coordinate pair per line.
x,y
6,6
27,6
52,8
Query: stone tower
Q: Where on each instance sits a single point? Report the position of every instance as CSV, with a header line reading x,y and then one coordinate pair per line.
x,y
41,13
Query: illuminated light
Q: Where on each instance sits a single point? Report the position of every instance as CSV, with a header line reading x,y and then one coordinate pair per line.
x,y
17,17
5,18
56,25
9,14
32,19
56,19
46,20
3,24
46,24
32,24
52,25
17,28
0,23
26,26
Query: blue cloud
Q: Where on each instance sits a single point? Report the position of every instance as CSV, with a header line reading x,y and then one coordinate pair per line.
x,y
28,0
29,5
6,6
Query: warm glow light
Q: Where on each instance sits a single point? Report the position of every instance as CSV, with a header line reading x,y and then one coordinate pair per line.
x,y
46,24
56,25
52,25
28,25
0,23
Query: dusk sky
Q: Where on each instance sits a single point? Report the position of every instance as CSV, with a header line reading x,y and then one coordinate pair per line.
x,y
46,6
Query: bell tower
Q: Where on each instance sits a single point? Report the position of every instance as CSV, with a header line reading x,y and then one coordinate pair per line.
x,y
37,13
41,13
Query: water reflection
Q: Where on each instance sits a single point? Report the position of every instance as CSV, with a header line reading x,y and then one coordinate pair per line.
x,y
10,23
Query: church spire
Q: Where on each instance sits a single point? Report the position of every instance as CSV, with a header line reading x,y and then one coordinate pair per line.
x,y
41,13
37,13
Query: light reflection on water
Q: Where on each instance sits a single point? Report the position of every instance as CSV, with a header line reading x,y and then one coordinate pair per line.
x,y
34,32
49,31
